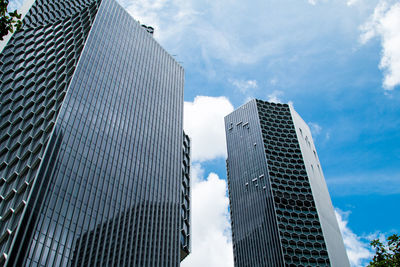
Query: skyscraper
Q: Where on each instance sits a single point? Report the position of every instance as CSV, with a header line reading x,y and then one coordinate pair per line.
x,y
94,165
281,211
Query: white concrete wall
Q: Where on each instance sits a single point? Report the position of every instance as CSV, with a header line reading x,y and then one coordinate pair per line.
x,y
330,228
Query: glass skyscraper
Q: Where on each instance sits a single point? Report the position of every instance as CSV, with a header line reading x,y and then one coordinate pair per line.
x,y
281,211
94,164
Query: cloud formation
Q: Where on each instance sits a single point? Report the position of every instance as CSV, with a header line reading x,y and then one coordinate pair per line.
x,y
204,123
358,249
315,128
15,4
178,14
211,232
274,97
234,33
351,2
385,24
244,85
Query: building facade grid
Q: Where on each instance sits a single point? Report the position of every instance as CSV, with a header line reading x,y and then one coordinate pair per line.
x,y
92,130
280,209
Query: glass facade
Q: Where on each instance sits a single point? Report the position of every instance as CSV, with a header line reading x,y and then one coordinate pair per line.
x,y
92,167
185,199
281,211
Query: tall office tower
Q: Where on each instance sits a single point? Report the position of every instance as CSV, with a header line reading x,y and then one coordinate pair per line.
x,y
94,165
281,211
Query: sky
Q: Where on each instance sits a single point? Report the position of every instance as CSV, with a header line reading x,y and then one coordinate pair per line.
x,y
336,61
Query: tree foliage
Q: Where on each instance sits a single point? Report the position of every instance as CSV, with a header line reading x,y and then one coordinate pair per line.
x,y
8,20
387,253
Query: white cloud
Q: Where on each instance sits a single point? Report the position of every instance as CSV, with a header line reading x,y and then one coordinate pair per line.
x,y
273,81
381,236
232,47
244,85
351,2
328,136
233,32
314,2
204,123
217,30
315,128
15,5
385,24
211,232
178,14
358,248
275,96
144,11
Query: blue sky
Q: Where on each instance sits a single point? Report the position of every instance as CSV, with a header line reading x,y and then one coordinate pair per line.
x,y
337,61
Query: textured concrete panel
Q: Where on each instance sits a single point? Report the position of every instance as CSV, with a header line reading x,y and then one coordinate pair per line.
x,y
329,225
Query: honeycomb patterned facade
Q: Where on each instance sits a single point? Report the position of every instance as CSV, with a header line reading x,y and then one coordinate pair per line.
x,y
36,69
281,213
299,227
185,238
